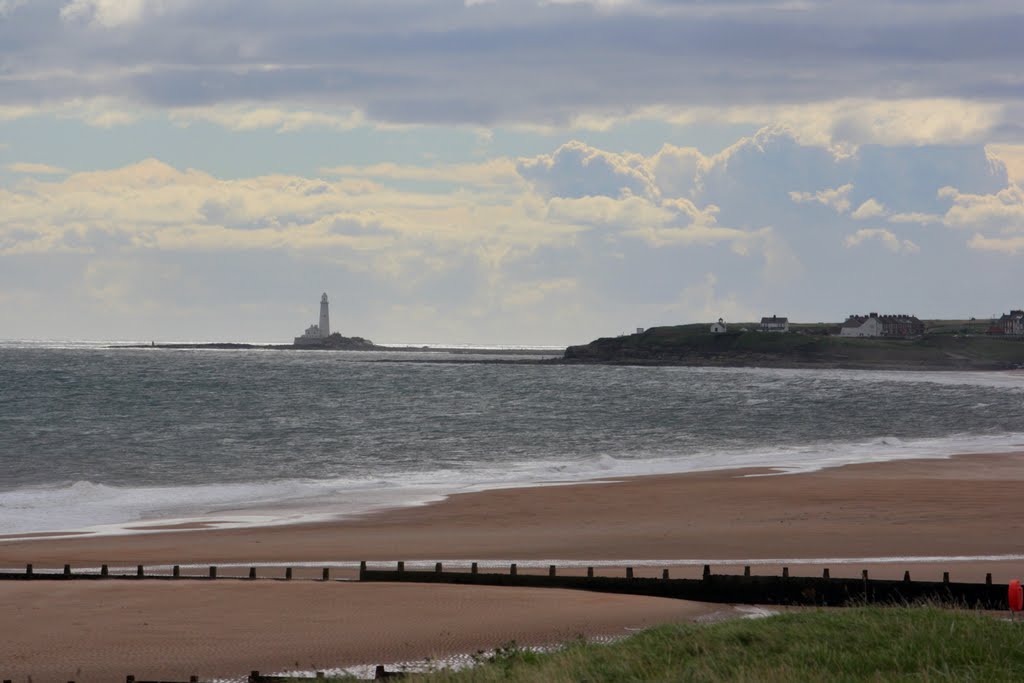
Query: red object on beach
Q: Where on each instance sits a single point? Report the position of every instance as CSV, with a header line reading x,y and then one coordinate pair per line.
x,y
1016,596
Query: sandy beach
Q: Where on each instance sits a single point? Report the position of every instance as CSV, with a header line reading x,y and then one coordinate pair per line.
x,y
966,506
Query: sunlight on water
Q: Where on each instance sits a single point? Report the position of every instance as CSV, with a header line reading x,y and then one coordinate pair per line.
x,y
93,436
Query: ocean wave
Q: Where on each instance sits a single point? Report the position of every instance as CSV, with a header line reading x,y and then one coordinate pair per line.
x,y
85,506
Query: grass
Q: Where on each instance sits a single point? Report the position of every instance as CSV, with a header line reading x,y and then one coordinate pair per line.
x,y
857,644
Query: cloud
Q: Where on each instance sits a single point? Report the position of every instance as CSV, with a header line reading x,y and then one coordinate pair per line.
x,y
30,168
869,209
579,239
885,73
8,6
703,301
915,217
1002,211
833,198
242,117
1000,245
579,170
1012,156
109,13
887,238
494,172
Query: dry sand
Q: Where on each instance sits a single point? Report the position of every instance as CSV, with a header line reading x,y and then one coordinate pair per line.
x,y
964,506
102,631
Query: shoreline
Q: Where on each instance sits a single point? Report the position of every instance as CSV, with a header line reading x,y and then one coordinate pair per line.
x,y
962,514
343,504
608,507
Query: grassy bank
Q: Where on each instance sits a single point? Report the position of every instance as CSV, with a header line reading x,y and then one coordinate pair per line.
x,y
862,644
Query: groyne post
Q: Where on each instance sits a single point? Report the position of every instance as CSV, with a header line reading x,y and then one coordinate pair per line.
x,y
401,566
629,572
67,570
825,574
213,571
945,577
474,569
104,570
140,572
746,570
785,572
438,568
707,572
288,574
590,572
176,571
551,570
252,572
988,579
664,574
28,570
512,569
326,574
906,576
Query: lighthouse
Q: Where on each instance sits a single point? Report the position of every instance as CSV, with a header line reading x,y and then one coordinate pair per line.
x,y
325,318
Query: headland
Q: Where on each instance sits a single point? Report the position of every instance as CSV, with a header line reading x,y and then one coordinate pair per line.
x,y
941,345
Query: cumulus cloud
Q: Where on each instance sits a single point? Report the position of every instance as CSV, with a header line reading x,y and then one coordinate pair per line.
x,y
836,198
1000,210
587,235
869,209
579,170
1012,156
887,238
1000,245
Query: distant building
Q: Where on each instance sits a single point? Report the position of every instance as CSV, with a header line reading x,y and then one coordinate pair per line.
x,y
719,327
1012,323
775,324
874,325
316,334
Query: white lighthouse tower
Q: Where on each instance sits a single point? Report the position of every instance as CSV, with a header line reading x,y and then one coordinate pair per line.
x,y
325,318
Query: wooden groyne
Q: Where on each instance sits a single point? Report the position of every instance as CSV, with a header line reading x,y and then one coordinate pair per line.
x,y
140,572
746,588
256,677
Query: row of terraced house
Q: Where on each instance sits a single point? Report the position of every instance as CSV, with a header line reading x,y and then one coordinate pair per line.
x,y
1011,323
890,325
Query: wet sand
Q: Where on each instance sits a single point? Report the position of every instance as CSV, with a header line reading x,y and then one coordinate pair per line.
x,y
964,506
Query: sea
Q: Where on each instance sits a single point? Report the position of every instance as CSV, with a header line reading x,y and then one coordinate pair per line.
x,y
114,440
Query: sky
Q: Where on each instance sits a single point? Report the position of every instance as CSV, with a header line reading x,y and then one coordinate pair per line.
x,y
536,172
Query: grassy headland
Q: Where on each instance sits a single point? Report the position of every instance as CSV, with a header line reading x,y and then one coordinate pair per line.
x,y
858,644
952,345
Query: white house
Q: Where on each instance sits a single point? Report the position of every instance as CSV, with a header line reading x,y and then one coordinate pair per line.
x,y
1012,323
719,327
775,324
